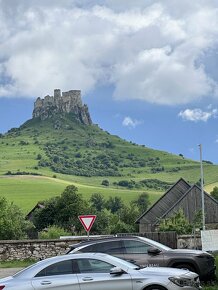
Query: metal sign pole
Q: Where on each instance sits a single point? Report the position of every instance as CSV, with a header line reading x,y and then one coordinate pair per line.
x,y
202,190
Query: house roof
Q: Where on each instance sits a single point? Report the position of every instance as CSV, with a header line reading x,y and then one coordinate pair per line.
x,y
211,205
167,200
181,195
38,205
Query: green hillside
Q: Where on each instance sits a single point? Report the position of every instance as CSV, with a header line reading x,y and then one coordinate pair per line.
x,y
39,159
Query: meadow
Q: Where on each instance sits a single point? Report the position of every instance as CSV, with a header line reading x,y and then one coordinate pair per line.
x,y
37,162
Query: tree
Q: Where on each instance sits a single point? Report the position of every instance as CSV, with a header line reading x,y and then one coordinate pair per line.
x,y
45,217
121,227
97,201
178,223
214,193
114,204
13,225
142,202
62,211
103,222
69,206
128,215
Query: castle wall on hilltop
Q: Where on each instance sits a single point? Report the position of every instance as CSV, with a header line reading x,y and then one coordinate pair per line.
x,y
61,103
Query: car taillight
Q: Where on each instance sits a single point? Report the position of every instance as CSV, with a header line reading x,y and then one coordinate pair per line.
x,y
2,287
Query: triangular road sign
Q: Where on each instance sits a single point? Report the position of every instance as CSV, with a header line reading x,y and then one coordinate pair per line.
x,y
87,221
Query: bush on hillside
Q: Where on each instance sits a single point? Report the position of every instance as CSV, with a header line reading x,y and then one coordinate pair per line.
x,y
22,173
22,142
105,182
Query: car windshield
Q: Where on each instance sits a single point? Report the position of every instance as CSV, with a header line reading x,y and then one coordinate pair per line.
x,y
155,244
124,263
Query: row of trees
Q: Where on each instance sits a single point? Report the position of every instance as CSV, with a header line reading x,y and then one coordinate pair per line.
x,y
60,216
112,214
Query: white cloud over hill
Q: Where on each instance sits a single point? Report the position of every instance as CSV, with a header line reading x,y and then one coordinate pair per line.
x,y
149,50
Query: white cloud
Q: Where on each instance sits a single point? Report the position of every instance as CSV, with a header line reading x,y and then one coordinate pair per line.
x,y
130,123
197,115
148,50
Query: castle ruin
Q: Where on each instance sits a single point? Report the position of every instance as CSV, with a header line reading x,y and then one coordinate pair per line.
x,y
61,103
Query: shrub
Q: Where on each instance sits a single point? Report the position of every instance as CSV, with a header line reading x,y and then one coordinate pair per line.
x,y
53,232
23,143
39,157
105,182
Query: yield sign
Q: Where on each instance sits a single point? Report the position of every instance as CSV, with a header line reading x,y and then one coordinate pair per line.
x,y
87,221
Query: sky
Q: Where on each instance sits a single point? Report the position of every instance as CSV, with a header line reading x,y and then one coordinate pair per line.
x,y
147,69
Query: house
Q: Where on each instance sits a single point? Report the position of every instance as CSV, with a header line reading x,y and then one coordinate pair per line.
x,y
183,196
29,216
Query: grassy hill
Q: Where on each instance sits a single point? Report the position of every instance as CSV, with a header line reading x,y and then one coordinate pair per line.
x,y
39,159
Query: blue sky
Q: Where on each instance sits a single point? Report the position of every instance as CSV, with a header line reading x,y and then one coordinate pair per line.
x,y
147,69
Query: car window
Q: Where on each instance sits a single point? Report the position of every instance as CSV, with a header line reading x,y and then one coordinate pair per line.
x,y
93,266
112,247
155,244
60,268
135,247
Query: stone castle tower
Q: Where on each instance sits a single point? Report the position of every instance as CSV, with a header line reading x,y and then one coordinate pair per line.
x,y
67,102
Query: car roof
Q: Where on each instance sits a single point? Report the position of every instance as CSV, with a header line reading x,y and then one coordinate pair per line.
x,y
99,240
40,264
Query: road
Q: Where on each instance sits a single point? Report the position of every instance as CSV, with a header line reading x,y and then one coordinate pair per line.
x,y
4,272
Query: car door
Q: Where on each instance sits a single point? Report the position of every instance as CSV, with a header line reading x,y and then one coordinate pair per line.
x,y
95,275
58,276
136,252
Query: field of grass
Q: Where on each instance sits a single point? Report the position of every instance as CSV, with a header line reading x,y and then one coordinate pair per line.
x,y
74,144
26,191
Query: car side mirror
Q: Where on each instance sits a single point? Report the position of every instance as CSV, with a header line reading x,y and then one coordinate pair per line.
x,y
116,271
153,251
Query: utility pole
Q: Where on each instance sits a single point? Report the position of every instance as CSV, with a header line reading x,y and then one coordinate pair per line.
x,y
202,189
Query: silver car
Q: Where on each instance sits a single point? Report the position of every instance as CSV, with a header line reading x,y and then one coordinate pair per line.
x,y
98,271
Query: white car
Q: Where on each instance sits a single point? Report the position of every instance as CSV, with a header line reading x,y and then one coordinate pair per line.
x,y
98,271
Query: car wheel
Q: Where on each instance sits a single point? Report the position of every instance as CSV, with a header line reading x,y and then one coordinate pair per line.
x,y
185,267
155,287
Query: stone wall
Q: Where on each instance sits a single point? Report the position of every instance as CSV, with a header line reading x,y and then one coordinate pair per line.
x,y
33,249
41,249
189,242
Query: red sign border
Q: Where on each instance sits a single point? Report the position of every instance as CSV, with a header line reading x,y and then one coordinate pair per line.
x,y
87,216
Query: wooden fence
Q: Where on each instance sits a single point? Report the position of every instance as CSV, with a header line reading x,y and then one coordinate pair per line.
x,y
167,238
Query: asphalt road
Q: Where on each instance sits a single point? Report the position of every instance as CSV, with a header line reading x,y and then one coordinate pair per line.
x,y
4,272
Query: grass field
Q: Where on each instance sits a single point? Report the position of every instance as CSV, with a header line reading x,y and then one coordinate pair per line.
x,y
26,191
73,146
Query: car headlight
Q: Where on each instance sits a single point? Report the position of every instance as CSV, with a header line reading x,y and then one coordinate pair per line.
x,y
182,282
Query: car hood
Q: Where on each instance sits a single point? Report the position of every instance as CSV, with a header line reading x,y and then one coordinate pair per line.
x,y
188,251
165,271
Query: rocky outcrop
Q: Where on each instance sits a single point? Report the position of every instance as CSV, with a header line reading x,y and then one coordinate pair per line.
x,y
67,102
